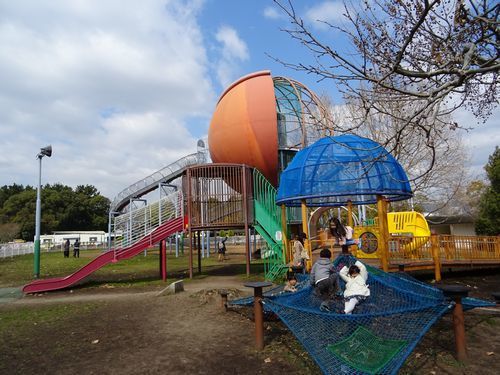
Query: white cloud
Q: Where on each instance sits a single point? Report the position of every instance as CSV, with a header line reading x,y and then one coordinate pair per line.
x,y
272,13
328,11
481,140
234,51
111,85
232,45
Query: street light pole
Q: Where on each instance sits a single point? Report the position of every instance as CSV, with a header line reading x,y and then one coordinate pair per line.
x,y
36,264
45,151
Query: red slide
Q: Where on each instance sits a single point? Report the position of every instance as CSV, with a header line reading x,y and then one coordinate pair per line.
x,y
165,230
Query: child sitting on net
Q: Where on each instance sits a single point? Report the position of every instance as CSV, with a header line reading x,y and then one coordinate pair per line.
x,y
324,279
356,289
291,283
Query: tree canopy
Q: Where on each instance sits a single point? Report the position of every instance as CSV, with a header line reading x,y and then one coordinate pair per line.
x,y
488,222
63,208
412,61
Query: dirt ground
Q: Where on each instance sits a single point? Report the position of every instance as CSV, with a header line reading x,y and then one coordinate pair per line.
x,y
105,330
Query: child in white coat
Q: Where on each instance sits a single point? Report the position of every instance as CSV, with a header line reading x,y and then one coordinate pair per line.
x,y
355,285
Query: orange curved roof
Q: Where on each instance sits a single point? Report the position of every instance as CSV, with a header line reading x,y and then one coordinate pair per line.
x,y
244,125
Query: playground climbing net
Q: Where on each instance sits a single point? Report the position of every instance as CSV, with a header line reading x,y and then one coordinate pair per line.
x,y
380,334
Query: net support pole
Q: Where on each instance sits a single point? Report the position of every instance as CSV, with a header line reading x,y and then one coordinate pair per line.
x,y
456,293
435,257
258,311
305,229
383,231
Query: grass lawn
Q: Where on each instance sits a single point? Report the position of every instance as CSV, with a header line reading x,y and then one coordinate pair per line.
x,y
140,270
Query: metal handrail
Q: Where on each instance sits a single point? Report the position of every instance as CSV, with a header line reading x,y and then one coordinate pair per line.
x,y
134,225
150,183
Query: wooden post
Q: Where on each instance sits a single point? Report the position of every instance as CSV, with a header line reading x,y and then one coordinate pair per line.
x,y
283,233
350,221
305,229
435,256
383,232
258,311
456,293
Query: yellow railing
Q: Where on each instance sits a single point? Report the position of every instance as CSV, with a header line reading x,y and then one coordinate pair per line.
x,y
409,249
449,248
416,252
469,248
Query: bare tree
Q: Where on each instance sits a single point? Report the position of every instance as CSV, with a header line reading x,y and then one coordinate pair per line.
x,y
427,57
440,185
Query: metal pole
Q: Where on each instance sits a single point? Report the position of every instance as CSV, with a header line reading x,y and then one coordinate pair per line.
x,y
203,244
245,213
199,251
36,250
109,230
177,244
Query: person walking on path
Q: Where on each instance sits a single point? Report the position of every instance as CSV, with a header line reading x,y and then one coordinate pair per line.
x,y
76,249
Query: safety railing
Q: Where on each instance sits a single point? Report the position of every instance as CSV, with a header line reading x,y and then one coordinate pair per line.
x,y
410,248
135,225
469,247
267,213
151,182
446,248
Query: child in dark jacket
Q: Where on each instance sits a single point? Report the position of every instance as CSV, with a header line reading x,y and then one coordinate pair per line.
x,y
324,279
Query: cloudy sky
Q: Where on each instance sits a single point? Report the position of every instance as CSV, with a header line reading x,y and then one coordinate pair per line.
x,y
122,88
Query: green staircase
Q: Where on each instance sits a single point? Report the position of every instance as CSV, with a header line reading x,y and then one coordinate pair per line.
x,y
267,223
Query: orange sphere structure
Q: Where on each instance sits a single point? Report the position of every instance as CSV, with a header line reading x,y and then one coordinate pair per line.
x,y
258,116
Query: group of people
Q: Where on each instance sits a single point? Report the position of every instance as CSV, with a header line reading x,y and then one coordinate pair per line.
x,y
324,277
76,249
325,280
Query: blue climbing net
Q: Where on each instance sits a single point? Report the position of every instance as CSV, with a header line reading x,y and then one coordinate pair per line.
x,y
379,335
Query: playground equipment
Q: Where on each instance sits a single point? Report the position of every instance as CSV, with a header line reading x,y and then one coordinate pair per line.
x,y
259,125
140,229
262,121
409,227
380,334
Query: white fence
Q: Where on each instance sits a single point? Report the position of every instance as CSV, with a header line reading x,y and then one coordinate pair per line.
x,y
16,248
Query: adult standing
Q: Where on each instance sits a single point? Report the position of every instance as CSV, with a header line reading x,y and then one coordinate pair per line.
x,y
66,249
300,255
76,248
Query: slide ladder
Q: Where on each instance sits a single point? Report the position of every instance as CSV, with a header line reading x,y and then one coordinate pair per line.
x,y
132,236
267,224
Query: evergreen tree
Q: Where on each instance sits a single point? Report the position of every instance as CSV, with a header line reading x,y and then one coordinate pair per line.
x,y
488,222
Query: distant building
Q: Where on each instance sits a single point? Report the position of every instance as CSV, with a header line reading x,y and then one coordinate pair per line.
x,y
90,237
455,225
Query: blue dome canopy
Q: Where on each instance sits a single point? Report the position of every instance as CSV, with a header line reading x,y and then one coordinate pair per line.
x,y
335,170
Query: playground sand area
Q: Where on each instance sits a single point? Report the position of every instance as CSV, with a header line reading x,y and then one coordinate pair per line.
x,y
111,330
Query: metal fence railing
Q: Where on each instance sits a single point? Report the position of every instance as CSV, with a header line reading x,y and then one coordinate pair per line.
x,y
136,224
